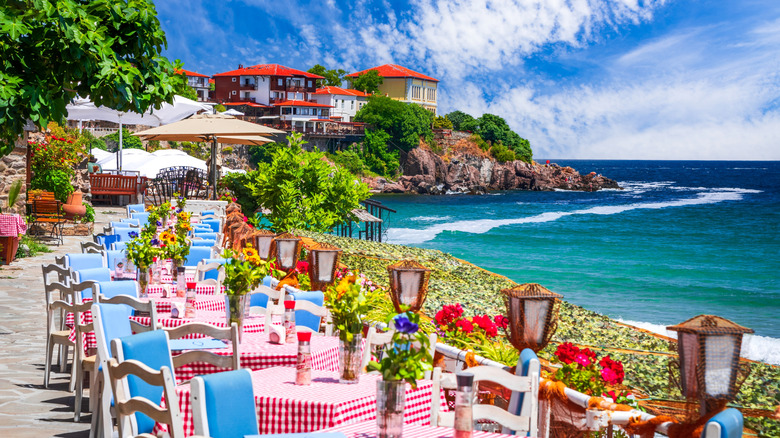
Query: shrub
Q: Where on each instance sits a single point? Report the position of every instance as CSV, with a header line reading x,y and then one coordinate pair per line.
x,y
89,216
261,153
220,108
350,159
53,180
90,141
129,141
238,184
404,123
153,145
227,150
442,123
377,156
501,153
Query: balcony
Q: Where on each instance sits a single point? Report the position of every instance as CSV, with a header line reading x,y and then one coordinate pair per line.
x,y
240,99
246,86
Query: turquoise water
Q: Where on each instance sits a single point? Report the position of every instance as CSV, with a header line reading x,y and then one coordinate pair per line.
x,y
682,239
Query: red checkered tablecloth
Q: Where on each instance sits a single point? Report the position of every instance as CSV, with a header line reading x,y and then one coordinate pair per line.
x,y
283,407
12,225
257,354
200,289
367,429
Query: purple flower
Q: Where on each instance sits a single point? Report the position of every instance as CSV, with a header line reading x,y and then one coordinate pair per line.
x,y
154,242
179,210
403,325
159,224
132,234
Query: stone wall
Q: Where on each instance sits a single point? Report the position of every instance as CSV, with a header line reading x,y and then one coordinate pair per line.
x,y
13,167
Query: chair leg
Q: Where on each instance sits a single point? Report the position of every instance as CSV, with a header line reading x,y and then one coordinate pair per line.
x,y
95,397
76,371
107,424
47,367
79,393
63,359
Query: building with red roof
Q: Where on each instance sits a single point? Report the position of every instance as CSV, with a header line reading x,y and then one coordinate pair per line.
x,y
199,82
346,102
401,83
264,84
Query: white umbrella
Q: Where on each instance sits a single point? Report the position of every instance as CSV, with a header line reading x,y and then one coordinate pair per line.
x,y
131,159
84,109
232,112
100,154
169,158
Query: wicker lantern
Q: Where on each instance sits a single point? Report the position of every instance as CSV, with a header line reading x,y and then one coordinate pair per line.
x,y
708,347
264,243
408,284
532,313
288,249
323,261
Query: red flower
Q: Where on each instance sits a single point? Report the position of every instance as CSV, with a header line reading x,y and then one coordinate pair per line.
x,y
501,321
582,360
612,370
465,325
302,267
485,323
566,352
449,314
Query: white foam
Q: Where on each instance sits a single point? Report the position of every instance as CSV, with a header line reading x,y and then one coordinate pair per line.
x,y
754,347
407,236
431,218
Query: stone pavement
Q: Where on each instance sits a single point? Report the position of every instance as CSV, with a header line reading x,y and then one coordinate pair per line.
x,y
26,408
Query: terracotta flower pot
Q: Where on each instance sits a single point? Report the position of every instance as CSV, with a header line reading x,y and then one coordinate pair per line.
x,y
74,207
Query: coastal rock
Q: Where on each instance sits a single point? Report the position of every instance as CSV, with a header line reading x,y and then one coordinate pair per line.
x,y
468,170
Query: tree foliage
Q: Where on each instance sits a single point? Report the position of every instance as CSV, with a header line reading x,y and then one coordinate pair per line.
x,y
404,123
129,141
493,129
442,123
333,78
462,121
262,153
52,50
368,82
303,191
377,156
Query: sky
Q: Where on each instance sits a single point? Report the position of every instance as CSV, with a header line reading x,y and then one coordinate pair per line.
x,y
589,79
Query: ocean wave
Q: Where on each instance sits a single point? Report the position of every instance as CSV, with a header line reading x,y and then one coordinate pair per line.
x,y
405,236
754,347
431,218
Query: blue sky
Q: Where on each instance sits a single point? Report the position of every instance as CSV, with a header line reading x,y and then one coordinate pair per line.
x,y
620,79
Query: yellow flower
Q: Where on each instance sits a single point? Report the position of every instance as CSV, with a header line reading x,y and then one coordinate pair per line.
x,y
343,286
255,260
250,252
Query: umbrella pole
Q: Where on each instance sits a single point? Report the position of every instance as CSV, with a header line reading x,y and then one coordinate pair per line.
x,y
119,158
214,169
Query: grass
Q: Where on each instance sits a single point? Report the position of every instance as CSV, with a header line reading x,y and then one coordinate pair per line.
x,y
33,247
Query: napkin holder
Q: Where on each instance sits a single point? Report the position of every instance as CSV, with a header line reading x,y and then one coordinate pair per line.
x,y
276,334
177,310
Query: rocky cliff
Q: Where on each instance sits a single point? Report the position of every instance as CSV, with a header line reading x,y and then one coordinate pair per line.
x,y
464,168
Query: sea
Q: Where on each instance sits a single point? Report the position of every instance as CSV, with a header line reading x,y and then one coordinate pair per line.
x,y
682,238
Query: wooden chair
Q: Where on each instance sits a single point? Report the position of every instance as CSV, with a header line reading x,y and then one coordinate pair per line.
x,y
318,311
92,248
147,307
726,424
267,301
223,333
127,404
48,213
204,275
376,342
223,404
63,305
81,362
527,385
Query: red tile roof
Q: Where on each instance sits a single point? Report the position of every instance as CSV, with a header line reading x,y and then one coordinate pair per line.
x,y
340,91
252,104
302,103
191,73
268,70
394,71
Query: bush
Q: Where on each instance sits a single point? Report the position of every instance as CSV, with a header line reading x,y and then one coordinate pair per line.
x,y
262,153
129,141
89,216
53,180
238,184
90,141
485,146
377,156
53,162
153,145
442,123
29,247
404,123
227,150
220,108
198,150
349,159
501,153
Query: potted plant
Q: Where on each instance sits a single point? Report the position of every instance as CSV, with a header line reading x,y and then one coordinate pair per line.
x,y
13,225
405,362
243,272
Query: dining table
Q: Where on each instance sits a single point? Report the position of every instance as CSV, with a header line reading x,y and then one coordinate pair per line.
x,y
367,429
284,407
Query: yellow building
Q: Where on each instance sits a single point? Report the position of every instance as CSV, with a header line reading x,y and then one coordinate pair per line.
x,y
406,85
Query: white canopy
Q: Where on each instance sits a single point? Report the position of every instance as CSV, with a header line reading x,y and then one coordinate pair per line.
x,y
168,158
99,154
232,112
84,109
131,159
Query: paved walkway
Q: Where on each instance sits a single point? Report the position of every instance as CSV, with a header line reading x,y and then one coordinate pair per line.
x,y
26,408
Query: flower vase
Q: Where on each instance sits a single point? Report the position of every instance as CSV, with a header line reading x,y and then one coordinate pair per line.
x,y
234,311
174,270
142,276
390,401
350,357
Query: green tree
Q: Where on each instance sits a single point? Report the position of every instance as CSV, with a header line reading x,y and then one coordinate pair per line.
x,y
501,153
52,50
303,191
405,123
262,153
462,121
376,155
493,128
129,141
333,78
442,123
238,183
368,82
220,108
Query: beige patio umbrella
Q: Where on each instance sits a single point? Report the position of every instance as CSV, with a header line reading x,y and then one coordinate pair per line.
x,y
214,128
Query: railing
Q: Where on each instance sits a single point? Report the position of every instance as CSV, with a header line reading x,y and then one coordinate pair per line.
x,y
248,86
238,98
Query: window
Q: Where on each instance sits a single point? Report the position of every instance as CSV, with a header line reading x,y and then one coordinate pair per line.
x,y
352,104
233,92
432,94
234,78
416,92
281,82
246,94
286,111
309,84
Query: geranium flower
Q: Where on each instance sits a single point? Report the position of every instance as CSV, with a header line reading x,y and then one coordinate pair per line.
x,y
465,325
501,321
302,267
403,325
566,352
582,360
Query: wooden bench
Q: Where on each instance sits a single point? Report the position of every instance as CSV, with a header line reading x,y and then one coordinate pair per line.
x,y
106,184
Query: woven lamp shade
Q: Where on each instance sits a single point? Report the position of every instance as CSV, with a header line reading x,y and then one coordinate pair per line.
x,y
288,250
708,347
408,284
323,261
532,312
264,243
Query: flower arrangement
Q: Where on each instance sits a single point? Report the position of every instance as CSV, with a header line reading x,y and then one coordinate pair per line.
x,y
580,371
349,303
244,271
462,331
409,358
140,249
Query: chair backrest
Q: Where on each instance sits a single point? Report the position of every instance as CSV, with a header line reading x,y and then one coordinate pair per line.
x,y
105,239
133,222
203,242
210,271
62,275
111,289
267,301
517,423
78,262
214,224
82,329
110,321
66,296
312,313
135,208
142,217
118,246
130,406
113,256
306,317
208,213
224,333
206,234
130,304
375,342
91,248
223,404
94,274
726,424
528,365
151,349
123,232
198,253
86,289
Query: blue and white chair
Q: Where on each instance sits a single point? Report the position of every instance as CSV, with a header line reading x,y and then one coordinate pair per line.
x,y
118,246
142,218
214,224
83,261
105,239
91,248
124,232
223,404
310,311
135,208
92,275
204,242
726,424
130,221
198,253
205,213
267,301
110,289
206,235
525,423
